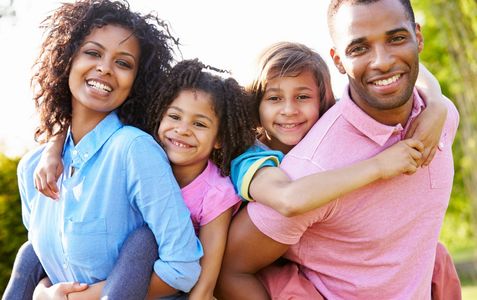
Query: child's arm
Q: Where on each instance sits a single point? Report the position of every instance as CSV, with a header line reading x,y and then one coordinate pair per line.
x,y
272,187
429,124
213,237
50,167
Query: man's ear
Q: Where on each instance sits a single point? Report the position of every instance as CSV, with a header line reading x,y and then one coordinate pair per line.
x,y
337,60
419,37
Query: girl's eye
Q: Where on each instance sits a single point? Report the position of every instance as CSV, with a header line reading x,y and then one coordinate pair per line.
x,y
200,124
124,64
273,98
92,53
173,116
303,97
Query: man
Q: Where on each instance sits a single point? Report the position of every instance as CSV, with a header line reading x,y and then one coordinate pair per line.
x,y
380,241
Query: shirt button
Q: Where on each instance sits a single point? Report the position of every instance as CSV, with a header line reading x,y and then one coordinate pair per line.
x,y
440,146
85,155
75,152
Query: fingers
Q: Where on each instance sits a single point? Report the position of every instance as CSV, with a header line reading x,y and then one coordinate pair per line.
x,y
72,287
45,183
430,157
416,144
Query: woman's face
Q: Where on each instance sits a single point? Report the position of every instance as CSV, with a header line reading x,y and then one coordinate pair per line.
x,y
288,109
103,71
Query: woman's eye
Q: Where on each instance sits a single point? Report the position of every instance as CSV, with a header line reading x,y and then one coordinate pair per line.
x,y
124,64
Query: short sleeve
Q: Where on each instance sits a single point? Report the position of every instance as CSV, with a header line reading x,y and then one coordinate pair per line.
x,y
244,167
217,200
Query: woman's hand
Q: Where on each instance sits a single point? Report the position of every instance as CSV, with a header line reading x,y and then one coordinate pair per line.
x,y
46,291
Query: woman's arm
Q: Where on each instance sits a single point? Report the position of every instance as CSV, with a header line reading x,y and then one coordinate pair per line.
x,y
429,124
50,167
213,237
272,187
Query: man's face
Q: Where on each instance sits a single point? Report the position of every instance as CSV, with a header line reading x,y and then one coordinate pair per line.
x,y
378,47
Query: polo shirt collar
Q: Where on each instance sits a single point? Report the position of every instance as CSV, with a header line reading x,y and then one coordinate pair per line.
x,y
378,132
93,141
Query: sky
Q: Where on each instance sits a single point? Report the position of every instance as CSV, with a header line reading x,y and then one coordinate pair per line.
x,y
226,34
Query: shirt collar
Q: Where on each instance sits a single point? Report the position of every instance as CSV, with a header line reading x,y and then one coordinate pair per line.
x,y
93,141
378,132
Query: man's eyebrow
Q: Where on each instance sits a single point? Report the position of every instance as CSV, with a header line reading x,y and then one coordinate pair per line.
x,y
356,41
393,31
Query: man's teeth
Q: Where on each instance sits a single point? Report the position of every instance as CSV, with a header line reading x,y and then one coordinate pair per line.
x,y
99,86
387,81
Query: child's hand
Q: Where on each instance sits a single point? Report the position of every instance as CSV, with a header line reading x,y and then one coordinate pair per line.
x,y
46,175
428,126
401,158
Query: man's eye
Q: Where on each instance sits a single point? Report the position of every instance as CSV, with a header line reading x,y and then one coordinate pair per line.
x,y
357,50
397,39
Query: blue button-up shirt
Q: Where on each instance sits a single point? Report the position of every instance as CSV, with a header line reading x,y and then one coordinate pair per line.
x,y
116,179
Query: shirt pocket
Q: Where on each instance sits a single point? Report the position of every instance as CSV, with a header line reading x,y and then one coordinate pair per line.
x,y
86,244
441,169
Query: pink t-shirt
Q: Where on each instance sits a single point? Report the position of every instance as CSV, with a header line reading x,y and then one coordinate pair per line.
x,y
208,196
378,242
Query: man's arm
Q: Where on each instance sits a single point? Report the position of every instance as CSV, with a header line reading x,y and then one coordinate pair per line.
x,y
248,251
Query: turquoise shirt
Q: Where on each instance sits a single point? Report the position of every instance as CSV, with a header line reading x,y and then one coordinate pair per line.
x,y
244,167
116,179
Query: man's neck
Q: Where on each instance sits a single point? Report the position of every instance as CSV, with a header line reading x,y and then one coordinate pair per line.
x,y
390,117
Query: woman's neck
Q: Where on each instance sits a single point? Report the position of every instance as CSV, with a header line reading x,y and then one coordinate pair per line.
x,y
82,124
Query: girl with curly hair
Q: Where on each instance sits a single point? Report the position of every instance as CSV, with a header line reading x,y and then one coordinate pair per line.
x,y
99,67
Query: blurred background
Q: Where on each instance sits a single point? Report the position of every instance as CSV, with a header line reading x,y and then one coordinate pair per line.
x,y
229,35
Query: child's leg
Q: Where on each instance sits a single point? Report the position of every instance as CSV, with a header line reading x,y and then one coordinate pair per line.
x,y
27,272
131,274
445,281
284,280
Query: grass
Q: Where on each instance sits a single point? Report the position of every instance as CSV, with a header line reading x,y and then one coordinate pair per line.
x,y
469,292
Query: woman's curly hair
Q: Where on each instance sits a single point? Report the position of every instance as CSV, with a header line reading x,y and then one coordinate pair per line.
x,y
235,132
284,59
66,30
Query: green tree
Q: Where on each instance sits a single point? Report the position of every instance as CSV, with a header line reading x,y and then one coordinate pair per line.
x,y
12,231
450,52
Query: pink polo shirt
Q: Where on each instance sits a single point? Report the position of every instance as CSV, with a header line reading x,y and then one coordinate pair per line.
x,y
208,196
378,242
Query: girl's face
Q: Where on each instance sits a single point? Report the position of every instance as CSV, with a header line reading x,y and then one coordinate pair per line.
x,y
103,71
188,130
288,109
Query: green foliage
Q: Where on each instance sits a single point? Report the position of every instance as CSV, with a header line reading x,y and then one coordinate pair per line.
x,y
450,35
12,231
